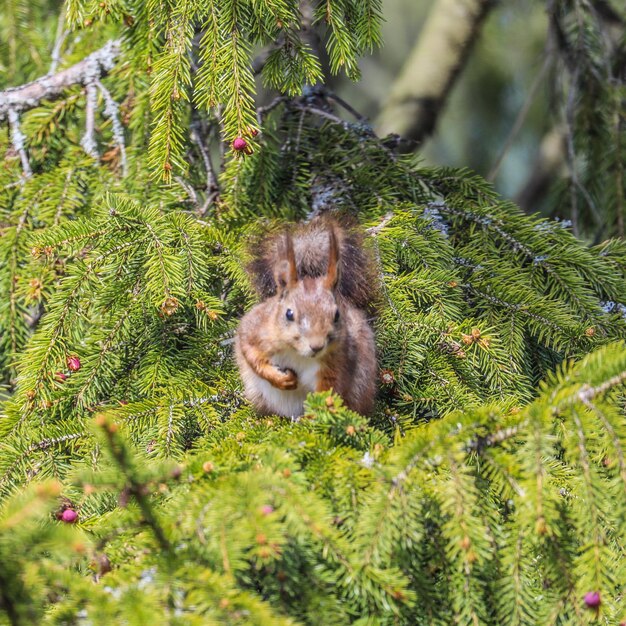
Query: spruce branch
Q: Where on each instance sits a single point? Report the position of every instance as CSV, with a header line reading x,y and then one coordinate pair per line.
x,y
13,268
587,393
41,373
611,431
63,197
135,486
43,445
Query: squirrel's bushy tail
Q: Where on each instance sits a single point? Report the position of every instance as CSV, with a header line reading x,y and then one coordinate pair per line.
x,y
358,276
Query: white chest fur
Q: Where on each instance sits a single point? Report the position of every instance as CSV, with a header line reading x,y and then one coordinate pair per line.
x,y
290,403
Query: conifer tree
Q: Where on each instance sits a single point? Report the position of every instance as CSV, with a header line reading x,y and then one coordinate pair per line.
x,y
137,485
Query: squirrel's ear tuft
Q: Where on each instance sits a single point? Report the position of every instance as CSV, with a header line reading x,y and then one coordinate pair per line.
x,y
286,274
332,273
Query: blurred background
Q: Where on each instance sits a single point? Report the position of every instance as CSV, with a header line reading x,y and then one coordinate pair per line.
x,y
490,93
537,105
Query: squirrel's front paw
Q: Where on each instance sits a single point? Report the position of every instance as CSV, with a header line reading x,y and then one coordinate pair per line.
x,y
287,380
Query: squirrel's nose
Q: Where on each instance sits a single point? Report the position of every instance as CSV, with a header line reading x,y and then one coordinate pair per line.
x,y
316,347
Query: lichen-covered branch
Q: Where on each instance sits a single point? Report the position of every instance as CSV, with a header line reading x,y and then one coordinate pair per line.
x,y
18,139
88,142
28,96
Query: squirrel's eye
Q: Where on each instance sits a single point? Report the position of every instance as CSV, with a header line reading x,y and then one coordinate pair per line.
x,y
336,316
289,315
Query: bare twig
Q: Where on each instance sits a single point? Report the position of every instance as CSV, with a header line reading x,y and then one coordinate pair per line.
x,y
211,175
321,113
521,117
376,230
112,111
212,189
499,436
324,96
261,112
587,392
135,488
333,97
191,192
60,205
220,133
62,33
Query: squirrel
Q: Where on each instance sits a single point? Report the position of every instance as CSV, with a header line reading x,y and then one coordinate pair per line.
x,y
310,332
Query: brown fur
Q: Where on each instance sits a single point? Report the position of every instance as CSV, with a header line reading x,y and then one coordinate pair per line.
x,y
358,283
328,344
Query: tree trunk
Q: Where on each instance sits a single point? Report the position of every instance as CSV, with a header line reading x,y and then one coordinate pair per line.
x,y
419,93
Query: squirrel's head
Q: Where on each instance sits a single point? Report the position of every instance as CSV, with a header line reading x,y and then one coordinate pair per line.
x,y
308,311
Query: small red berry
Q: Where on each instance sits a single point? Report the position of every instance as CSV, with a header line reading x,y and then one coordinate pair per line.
x,y
592,599
73,363
240,144
69,516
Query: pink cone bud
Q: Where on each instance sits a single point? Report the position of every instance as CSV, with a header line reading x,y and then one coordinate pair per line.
x,y
240,144
61,376
73,363
592,599
69,516
267,509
